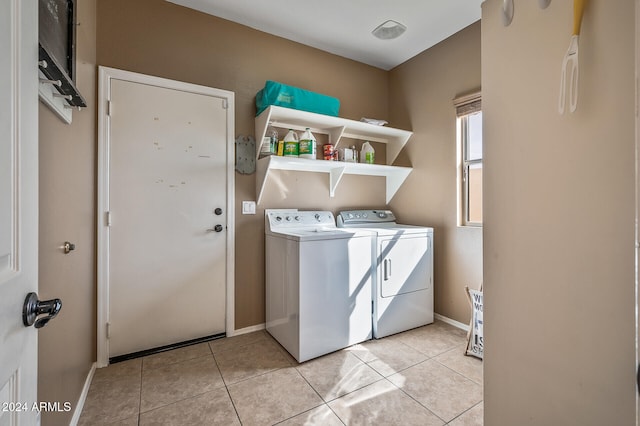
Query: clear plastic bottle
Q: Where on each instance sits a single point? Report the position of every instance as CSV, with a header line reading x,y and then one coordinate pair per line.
x,y
291,144
272,134
367,153
307,145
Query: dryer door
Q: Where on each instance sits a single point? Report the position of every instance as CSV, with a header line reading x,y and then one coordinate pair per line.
x,y
405,264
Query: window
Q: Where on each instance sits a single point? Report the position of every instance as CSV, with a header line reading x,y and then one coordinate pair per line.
x,y
469,113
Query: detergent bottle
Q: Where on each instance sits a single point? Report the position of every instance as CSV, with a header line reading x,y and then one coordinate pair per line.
x,y
291,144
307,145
367,153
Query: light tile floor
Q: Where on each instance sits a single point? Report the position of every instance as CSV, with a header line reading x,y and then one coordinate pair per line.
x,y
419,377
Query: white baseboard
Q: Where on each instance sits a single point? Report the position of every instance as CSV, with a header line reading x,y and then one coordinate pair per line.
x,y
439,317
246,330
83,397
452,322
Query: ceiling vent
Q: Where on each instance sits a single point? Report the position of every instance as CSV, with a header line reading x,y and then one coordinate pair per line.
x,y
389,30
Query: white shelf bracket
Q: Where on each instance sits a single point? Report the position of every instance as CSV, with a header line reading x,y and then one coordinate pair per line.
x,y
394,148
261,124
335,134
335,175
262,174
394,181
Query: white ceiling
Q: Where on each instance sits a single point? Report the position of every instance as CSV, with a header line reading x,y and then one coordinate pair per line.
x,y
343,27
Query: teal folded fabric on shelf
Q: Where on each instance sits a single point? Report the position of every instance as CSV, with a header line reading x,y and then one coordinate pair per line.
x,y
283,95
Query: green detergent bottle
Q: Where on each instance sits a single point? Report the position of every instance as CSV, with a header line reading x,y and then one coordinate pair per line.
x,y
291,144
307,145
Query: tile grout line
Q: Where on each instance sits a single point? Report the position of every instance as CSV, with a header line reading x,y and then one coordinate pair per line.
x,y
188,397
350,392
176,362
238,346
279,350
400,370
336,414
140,399
233,404
452,370
418,402
319,396
181,400
306,411
251,377
310,385
459,373
465,411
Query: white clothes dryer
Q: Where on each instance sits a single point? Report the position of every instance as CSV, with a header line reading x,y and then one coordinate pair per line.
x,y
402,264
318,282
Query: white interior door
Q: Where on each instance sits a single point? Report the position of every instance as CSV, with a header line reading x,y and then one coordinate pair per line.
x,y
18,208
167,214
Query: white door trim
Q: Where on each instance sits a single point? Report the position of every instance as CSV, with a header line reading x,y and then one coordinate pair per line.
x,y
637,190
104,81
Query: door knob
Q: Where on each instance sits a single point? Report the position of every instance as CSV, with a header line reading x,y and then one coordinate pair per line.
x,y
68,247
217,228
34,307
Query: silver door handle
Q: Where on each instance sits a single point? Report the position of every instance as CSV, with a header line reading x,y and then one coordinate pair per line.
x,y
68,247
33,307
387,269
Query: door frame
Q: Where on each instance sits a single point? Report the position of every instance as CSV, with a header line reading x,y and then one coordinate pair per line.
x,y
105,75
637,206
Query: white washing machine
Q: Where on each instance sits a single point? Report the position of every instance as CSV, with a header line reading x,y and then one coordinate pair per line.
x,y
402,259
318,282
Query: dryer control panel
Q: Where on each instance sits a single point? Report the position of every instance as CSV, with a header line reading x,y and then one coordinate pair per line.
x,y
369,217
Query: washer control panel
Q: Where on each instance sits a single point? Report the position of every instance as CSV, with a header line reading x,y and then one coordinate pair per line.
x,y
355,217
278,219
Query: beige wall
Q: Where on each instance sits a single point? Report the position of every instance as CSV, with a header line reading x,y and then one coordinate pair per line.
x,y
66,346
420,98
559,218
159,38
559,191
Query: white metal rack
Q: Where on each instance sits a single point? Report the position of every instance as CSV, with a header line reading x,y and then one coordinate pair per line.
x,y
337,128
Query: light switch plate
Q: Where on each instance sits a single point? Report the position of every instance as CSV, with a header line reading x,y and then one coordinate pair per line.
x,y
248,207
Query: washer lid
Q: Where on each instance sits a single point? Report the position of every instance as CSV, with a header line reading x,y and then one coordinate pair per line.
x,y
315,234
307,225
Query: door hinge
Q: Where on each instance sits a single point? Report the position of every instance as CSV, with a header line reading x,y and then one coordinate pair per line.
x,y
108,218
225,104
372,307
109,108
108,330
